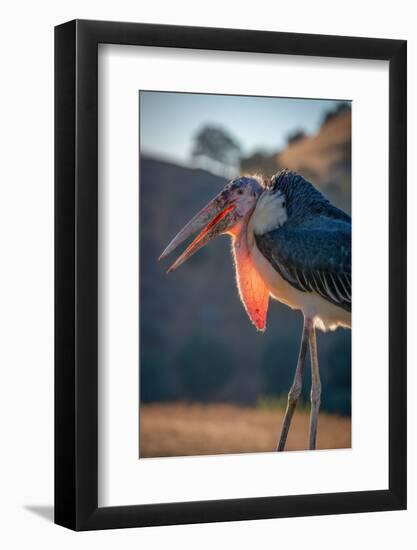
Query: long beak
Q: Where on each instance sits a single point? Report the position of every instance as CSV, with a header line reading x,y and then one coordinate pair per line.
x,y
212,220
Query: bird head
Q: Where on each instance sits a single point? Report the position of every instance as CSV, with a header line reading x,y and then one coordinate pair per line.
x,y
224,214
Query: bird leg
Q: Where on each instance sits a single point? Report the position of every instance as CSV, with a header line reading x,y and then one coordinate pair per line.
x,y
297,384
315,391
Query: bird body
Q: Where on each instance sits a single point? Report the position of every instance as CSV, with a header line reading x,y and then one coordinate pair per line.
x,y
327,315
304,256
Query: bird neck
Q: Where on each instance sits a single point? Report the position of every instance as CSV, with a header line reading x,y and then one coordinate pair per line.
x,y
253,291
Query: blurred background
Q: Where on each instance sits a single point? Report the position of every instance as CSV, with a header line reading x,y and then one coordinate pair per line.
x,y
209,382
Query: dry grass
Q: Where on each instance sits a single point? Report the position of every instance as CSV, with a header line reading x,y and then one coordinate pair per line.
x,y
180,429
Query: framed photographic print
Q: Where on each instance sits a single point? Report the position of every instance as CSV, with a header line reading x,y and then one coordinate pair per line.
x,y
230,248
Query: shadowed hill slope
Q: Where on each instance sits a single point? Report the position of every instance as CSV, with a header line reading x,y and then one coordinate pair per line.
x,y
196,342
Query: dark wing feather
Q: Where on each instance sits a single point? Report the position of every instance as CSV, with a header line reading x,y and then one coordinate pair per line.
x,y
313,257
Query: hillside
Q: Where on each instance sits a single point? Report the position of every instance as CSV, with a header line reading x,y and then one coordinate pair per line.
x,y
323,158
324,155
196,342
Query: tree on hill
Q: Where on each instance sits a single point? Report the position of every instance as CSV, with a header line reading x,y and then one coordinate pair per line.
x,y
295,136
340,108
215,149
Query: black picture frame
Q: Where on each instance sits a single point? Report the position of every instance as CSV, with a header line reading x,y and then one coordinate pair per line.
x,y
76,272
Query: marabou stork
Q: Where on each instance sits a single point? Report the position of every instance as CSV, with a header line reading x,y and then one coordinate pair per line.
x,y
290,243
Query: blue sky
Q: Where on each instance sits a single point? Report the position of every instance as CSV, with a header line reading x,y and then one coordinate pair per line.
x,y
169,120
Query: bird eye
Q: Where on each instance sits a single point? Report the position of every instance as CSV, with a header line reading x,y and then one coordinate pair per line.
x,y
240,191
